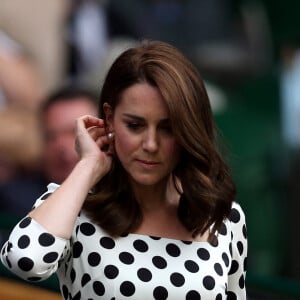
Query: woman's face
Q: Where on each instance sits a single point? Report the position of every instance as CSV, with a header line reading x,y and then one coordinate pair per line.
x,y
144,141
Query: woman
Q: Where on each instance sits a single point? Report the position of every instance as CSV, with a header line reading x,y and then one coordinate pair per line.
x,y
148,211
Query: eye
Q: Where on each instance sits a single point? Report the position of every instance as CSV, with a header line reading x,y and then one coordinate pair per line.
x,y
167,128
134,126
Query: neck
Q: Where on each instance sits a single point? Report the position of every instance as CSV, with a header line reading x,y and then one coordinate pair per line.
x,y
157,197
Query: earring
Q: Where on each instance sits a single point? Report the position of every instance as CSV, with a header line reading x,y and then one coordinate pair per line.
x,y
111,135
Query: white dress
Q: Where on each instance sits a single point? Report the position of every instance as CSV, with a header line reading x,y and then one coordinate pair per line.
x,y
93,265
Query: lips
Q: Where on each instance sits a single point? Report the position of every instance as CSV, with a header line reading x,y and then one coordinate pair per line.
x,y
148,163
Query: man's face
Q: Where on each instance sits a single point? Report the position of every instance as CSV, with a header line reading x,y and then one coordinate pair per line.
x,y
59,124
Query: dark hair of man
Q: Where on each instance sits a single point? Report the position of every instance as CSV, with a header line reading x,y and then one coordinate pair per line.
x,y
207,190
69,93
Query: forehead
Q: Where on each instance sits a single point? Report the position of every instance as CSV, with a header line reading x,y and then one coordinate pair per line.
x,y
77,106
143,99
62,113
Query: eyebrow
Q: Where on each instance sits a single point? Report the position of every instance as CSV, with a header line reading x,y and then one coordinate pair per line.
x,y
134,117
167,120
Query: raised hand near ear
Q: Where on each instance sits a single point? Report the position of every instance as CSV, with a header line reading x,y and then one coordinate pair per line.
x,y
93,143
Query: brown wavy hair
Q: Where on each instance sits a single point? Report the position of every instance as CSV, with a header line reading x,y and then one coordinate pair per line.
x,y
207,190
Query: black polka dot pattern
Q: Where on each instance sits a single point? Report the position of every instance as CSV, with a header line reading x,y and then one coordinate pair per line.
x,y
160,292
87,229
85,279
193,295
93,265
191,266
111,271
177,279
46,239
140,246
94,259
144,274
159,262
173,250
126,258
25,222
25,264
50,257
23,241
127,288
99,288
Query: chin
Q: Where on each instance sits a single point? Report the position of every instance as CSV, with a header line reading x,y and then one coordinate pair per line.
x,y
147,180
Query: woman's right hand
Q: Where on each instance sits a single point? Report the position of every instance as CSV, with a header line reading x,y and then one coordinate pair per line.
x,y
92,143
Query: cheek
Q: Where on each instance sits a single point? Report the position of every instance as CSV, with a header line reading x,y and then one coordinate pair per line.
x,y
124,143
172,151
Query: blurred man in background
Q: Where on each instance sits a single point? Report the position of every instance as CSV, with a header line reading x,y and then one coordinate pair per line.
x,y
58,118
58,115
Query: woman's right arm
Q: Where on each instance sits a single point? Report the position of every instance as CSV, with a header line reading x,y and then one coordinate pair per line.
x,y
58,213
55,216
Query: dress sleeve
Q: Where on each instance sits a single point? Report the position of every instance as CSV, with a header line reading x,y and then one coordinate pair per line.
x,y
236,277
31,252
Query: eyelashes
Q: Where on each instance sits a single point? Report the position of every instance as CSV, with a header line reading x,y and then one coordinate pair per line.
x,y
136,126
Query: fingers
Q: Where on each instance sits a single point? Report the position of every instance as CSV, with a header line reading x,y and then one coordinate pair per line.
x,y
96,132
91,130
90,125
88,121
99,136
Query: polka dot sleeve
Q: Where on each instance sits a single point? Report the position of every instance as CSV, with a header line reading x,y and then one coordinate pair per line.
x,y
236,277
31,252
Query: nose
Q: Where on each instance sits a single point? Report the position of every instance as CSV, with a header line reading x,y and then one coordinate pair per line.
x,y
150,140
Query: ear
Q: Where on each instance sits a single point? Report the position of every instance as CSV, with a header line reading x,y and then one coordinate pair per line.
x,y
108,115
